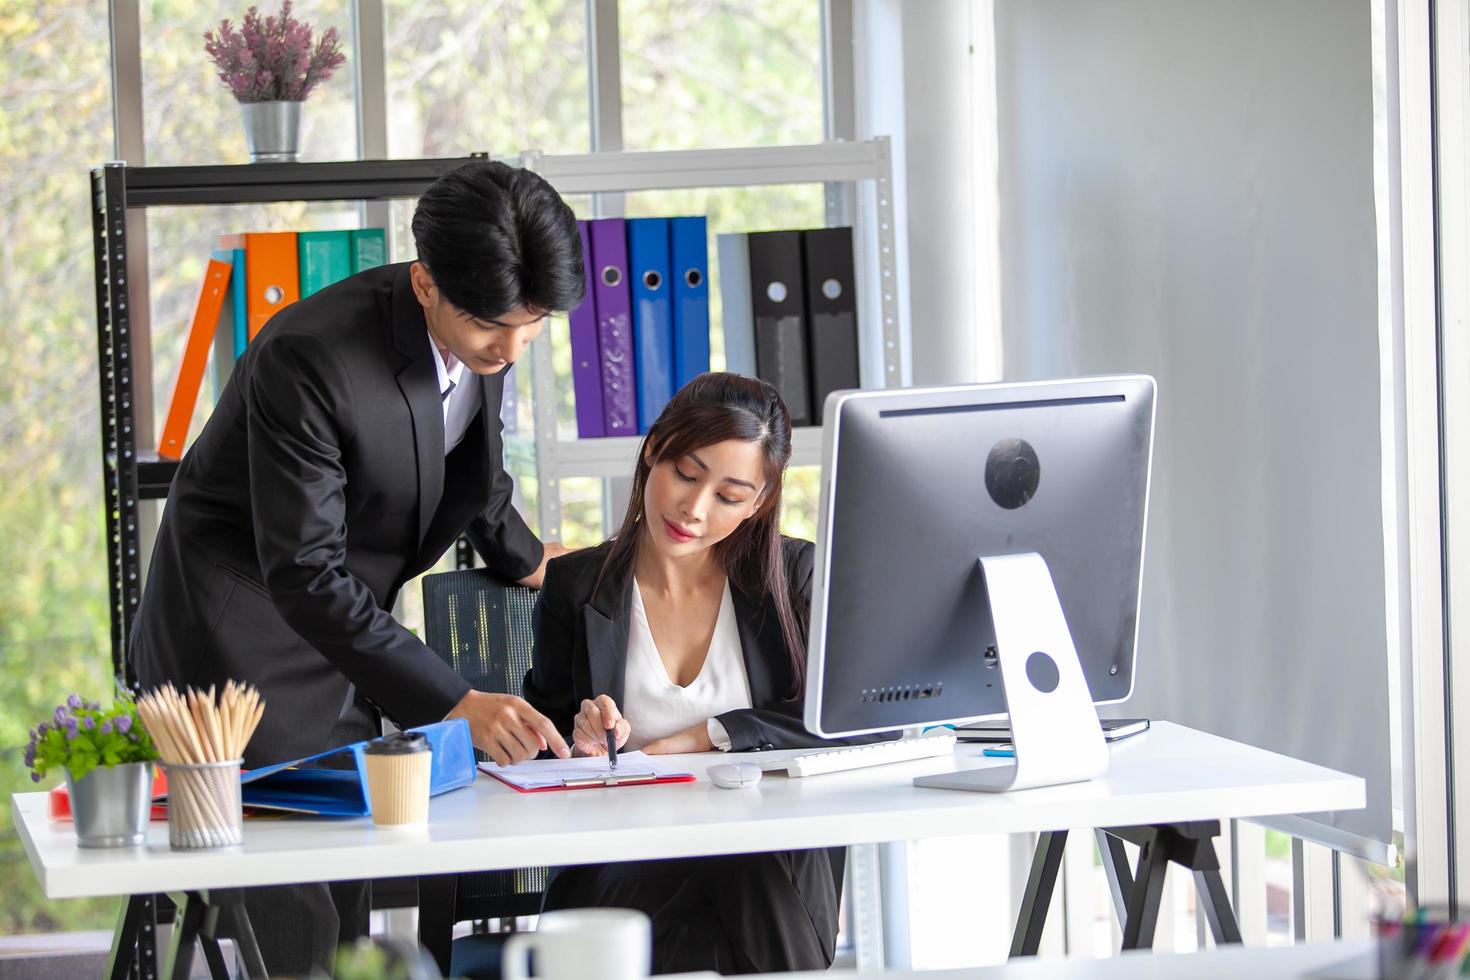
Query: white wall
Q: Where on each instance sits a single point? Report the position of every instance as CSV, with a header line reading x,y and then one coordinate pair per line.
x,y
1187,190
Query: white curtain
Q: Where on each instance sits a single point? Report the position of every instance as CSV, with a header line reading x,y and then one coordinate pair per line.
x,y
1187,190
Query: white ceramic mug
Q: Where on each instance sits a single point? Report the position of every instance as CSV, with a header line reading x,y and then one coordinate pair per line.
x,y
572,944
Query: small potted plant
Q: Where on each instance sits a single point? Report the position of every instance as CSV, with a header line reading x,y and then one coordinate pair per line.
x,y
271,65
107,756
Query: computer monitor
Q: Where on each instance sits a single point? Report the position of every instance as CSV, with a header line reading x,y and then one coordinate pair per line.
x,y
948,514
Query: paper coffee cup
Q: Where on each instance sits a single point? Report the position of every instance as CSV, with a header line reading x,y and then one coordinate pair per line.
x,y
398,778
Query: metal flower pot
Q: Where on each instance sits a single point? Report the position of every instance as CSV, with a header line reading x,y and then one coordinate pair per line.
x,y
272,131
110,805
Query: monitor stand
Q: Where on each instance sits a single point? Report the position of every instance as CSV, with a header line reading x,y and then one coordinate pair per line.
x,y
1054,725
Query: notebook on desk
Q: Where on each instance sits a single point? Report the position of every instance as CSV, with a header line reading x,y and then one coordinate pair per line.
x,y
1114,730
592,772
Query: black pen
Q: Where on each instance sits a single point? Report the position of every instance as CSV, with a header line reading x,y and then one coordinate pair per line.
x,y
612,748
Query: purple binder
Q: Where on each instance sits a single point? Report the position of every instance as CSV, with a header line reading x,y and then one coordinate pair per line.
x,y
586,362
614,325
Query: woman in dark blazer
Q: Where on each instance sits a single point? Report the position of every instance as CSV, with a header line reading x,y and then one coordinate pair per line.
x,y
685,633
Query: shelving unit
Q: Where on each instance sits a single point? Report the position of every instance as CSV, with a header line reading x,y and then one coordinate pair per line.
x,y
867,164
129,476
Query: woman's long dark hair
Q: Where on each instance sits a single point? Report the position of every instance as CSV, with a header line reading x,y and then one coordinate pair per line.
x,y
713,408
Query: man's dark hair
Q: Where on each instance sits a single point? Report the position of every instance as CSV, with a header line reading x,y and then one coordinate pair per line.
x,y
496,238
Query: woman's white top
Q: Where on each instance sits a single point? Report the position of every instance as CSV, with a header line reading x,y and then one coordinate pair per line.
x,y
657,707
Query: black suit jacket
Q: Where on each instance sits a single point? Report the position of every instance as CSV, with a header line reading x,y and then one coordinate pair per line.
x,y
582,649
318,487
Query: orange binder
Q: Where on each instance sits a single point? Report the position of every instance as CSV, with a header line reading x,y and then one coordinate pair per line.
x,y
196,356
271,275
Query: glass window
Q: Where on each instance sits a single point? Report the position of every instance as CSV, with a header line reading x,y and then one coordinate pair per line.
x,y
728,73
466,76
189,117
55,122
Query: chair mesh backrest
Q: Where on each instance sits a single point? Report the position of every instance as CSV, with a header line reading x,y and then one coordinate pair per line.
x,y
481,626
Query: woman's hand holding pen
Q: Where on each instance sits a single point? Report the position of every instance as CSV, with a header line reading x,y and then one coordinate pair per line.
x,y
598,717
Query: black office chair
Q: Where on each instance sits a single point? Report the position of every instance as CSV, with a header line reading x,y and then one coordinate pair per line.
x,y
481,626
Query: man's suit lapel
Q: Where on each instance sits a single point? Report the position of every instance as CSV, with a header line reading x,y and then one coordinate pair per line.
x,y
605,618
418,380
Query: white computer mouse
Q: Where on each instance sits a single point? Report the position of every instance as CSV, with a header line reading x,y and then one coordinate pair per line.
x,y
735,775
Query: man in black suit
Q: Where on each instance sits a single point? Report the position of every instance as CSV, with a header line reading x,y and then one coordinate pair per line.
x,y
357,438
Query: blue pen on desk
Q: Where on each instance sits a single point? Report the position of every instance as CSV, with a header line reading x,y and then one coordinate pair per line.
x,y
612,748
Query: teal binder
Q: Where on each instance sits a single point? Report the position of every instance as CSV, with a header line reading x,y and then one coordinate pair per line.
x,y
323,257
369,249
239,319
344,792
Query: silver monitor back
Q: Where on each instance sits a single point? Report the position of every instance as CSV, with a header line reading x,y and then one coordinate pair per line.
x,y
917,484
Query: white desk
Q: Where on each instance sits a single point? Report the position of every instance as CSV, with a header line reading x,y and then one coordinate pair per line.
x,y
1168,775
1171,774
1350,960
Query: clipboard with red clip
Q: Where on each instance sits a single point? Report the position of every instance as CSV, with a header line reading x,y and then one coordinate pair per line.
x,y
554,775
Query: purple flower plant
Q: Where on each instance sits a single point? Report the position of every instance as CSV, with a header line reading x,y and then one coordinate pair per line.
x,y
81,735
273,59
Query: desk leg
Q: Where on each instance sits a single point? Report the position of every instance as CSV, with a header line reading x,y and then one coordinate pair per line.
x,y
436,917
1216,902
134,953
1115,865
1143,901
1039,887
123,956
187,922
237,921
198,919
1189,845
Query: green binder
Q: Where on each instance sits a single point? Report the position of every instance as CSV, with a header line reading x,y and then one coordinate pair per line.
x,y
369,249
324,257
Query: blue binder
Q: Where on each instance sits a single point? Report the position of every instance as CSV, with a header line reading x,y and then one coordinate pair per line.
x,y
653,326
344,792
690,267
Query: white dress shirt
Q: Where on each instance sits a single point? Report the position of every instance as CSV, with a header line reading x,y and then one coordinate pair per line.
x,y
656,707
463,401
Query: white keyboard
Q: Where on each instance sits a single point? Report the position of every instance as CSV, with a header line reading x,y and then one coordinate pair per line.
x,y
819,761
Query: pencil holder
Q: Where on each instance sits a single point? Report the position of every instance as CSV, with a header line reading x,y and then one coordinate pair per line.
x,y
1430,943
204,805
